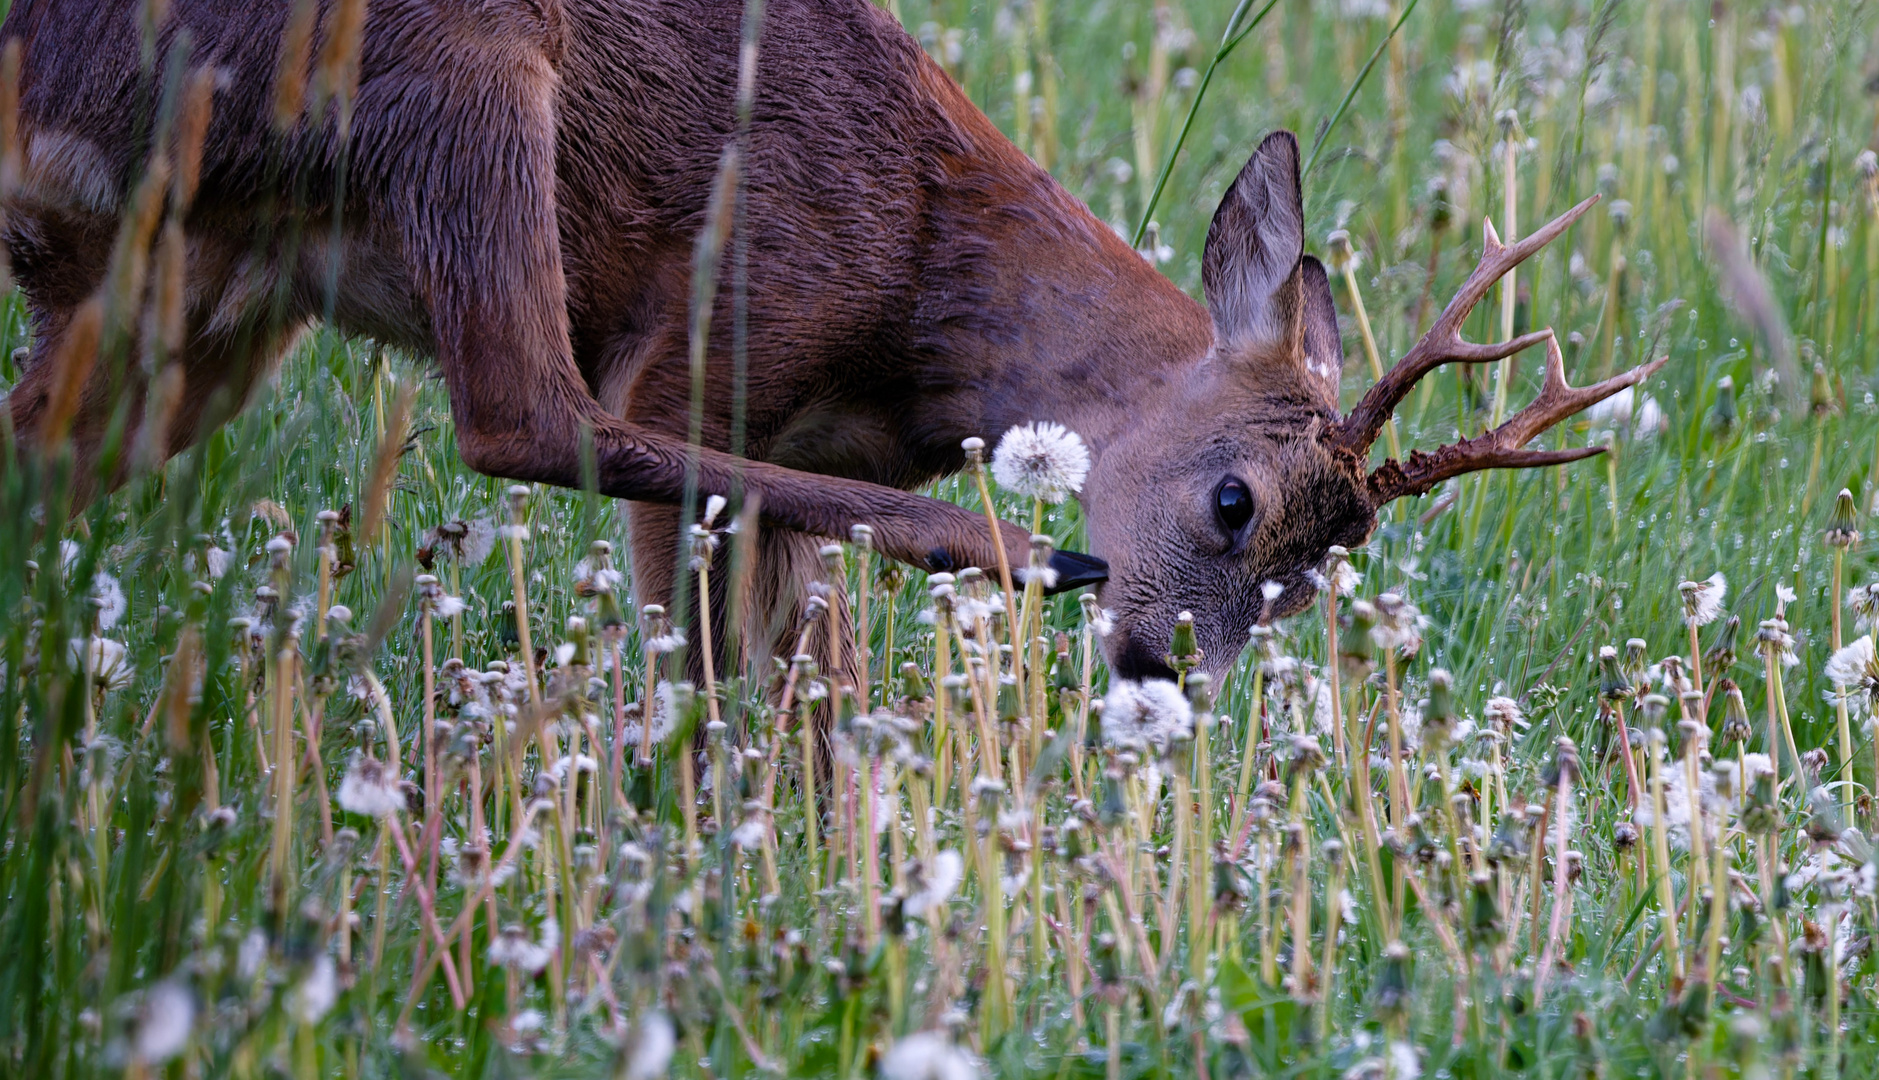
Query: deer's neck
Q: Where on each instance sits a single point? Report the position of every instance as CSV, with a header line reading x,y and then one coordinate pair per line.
x,y
1039,311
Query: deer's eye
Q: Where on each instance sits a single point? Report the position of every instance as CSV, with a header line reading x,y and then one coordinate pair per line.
x,y
1234,503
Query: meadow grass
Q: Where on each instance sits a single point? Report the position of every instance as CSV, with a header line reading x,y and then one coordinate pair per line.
x,y
210,867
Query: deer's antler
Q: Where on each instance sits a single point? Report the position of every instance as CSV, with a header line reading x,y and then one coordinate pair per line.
x,y
1501,448
1443,343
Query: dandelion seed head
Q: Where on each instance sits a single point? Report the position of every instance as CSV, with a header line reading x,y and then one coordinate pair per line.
x,y
928,1055
1042,460
370,789
1702,600
164,1023
1153,713
313,997
650,1049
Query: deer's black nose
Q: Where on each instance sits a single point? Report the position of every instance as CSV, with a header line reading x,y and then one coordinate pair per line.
x,y
1076,570
1137,659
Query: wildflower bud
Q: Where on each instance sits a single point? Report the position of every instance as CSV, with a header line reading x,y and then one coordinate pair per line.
x,y
339,615
1773,640
1228,893
1722,651
1843,530
1359,619
1637,665
1183,651
1625,835
1508,842
1620,217
1824,826
1332,851
1724,415
975,450
988,792
1655,708
1821,400
1484,911
577,637
1306,757
1564,768
1391,991
1064,675
1441,210
913,685
1692,735
1199,686
1108,960
1340,256
609,615
833,565
1010,701
1762,813
1607,179
1613,685
862,536
956,689
1438,711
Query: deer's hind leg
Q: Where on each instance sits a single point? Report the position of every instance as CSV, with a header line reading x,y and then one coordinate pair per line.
x,y
774,593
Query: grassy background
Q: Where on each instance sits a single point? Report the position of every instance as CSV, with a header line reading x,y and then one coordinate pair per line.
x,y
1752,112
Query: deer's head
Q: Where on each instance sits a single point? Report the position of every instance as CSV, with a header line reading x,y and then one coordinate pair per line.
x,y
1223,493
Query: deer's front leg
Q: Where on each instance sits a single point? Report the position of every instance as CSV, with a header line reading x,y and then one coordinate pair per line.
x,y
474,203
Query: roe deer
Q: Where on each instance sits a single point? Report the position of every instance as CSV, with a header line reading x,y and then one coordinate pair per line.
x,y
514,188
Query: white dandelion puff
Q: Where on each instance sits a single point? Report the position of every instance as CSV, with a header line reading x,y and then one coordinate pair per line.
x,y
512,949
938,882
1154,712
1702,600
164,1023
314,996
1504,713
928,1055
370,789
107,662
1043,460
1345,578
653,1041
109,596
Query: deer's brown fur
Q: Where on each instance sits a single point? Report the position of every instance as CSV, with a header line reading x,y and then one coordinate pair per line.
x,y
523,183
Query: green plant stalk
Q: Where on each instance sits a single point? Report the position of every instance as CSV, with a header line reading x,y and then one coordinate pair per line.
x,y
806,728
1229,41
1327,968
1357,84
1660,848
1004,572
1718,916
1198,902
1247,756
1301,894
870,868
997,1001
1179,860
1370,349
1843,721
1510,189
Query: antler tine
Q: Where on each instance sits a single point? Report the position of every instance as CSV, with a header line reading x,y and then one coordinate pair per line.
x,y
1501,448
1443,343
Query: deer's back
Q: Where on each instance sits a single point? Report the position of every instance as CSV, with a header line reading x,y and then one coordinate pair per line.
x,y
869,186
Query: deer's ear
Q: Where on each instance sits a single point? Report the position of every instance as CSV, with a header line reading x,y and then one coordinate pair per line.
x,y
1324,344
1250,268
